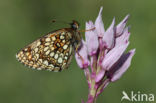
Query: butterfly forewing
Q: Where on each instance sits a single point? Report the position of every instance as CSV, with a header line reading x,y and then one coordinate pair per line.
x,y
52,52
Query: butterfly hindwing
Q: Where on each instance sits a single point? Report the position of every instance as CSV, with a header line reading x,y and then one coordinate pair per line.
x,y
51,52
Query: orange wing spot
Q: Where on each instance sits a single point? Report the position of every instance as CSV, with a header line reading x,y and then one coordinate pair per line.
x,y
58,36
51,35
58,40
29,49
55,46
60,49
27,53
62,44
65,61
30,57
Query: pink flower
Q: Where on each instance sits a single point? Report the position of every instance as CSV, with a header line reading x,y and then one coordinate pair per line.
x,y
121,66
99,24
120,27
91,39
104,52
108,37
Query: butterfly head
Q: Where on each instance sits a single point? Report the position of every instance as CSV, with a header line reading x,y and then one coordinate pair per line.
x,y
74,25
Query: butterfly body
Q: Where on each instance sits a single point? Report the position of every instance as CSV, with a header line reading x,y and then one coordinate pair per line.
x,y
53,51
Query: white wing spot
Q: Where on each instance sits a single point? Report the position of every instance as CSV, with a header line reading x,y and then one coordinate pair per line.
x,y
59,60
26,49
52,48
39,69
38,43
61,37
47,39
52,54
36,50
21,53
63,41
45,62
65,46
53,38
65,57
46,48
40,60
37,56
58,44
61,55
47,43
47,52
56,56
51,65
24,58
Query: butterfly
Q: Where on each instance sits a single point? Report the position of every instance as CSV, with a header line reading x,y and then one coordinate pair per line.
x,y
53,51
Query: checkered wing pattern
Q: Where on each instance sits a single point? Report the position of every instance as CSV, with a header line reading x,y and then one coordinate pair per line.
x,y
52,52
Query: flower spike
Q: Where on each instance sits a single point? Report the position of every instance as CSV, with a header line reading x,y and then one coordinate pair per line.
x,y
104,52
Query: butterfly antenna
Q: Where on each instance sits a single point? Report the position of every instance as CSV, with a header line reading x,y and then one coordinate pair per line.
x,y
87,30
58,21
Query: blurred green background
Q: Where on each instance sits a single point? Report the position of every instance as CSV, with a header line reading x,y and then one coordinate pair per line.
x,y
23,21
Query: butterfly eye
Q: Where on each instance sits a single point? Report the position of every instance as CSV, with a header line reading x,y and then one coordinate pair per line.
x,y
74,25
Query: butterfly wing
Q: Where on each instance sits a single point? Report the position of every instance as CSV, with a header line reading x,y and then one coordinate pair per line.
x,y
51,52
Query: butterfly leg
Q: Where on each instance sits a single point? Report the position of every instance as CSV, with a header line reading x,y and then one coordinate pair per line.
x,y
79,55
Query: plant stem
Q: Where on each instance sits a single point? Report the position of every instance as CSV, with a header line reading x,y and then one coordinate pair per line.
x,y
92,92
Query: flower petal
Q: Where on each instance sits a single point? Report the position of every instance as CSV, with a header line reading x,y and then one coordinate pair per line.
x,y
119,68
108,38
120,27
82,62
113,56
91,39
99,24
103,86
99,76
123,38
